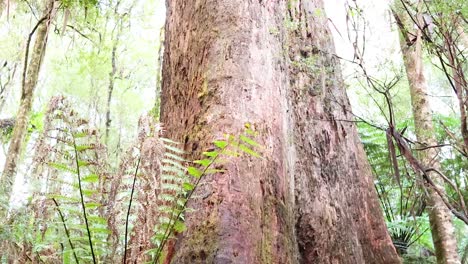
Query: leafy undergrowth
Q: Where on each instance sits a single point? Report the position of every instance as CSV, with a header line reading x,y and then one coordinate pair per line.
x,y
81,210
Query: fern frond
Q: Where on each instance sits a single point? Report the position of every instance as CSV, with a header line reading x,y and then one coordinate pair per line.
x,y
174,149
169,162
173,157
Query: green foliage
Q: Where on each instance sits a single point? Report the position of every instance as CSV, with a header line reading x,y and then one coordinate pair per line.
x,y
79,3
180,184
73,192
78,168
403,203
402,200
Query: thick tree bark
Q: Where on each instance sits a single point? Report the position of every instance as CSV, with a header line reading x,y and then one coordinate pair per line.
x,y
311,199
443,232
30,77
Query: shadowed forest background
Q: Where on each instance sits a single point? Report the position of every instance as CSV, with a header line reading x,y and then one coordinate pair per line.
x,y
229,131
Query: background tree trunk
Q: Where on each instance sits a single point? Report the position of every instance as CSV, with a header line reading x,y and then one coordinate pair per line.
x,y
30,77
270,63
443,232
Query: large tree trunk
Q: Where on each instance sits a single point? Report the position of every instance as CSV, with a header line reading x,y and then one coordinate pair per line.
x,y
30,77
443,232
311,199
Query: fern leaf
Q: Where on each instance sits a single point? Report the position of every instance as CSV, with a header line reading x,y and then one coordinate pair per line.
x,y
211,154
220,144
62,167
249,141
173,163
91,178
92,205
172,169
167,197
248,150
179,226
173,156
174,149
188,186
194,172
203,162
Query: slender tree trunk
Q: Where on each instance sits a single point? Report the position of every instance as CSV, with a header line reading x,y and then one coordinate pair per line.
x,y
110,89
30,77
115,34
443,232
270,63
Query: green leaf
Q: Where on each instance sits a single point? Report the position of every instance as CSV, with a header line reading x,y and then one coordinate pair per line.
x,y
82,163
249,141
188,186
211,154
203,162
158,235
194,172
92,178
80,134
220,144
97,219
249,151
88,193
92,205
83,147
62,167
179,226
